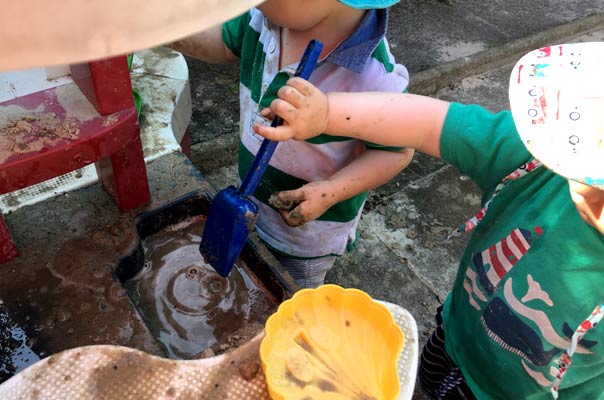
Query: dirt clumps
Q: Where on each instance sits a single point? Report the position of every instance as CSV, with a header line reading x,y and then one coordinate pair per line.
x,y
239,337
32,132
249,368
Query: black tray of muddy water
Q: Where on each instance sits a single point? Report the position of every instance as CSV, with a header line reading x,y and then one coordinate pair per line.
x,y
190,309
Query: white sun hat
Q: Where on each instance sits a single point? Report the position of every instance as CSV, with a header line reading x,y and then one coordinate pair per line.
x,y
557,100
44,33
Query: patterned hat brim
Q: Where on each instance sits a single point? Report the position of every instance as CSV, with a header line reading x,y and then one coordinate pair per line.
x,y
557,101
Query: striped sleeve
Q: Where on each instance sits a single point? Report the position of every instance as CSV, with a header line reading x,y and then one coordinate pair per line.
x,y
233,32
382,55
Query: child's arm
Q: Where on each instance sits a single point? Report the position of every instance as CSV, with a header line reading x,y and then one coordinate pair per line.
x,y
371,169
391,119
207,46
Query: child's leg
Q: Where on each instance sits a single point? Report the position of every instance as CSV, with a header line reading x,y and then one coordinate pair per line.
x,y
308,273
438,374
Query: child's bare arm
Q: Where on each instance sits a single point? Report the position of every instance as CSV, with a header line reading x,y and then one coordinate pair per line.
x,y
368,171
207,46
371,169
392,119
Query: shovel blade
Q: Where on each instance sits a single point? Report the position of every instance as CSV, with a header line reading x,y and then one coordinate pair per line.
x,y
230,220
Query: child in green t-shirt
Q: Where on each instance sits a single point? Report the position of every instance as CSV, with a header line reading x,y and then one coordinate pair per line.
x,y
518,321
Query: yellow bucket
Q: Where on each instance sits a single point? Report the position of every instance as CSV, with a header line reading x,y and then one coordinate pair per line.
x,y
331,343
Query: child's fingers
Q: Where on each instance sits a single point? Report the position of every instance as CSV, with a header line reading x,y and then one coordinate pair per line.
x,y
281,201
289,204
301,85
293,218
267,113
279,133
284,109
292,197
291,95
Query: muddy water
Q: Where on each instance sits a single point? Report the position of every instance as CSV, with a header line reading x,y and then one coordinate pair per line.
x,y
15,351
65,296
187,306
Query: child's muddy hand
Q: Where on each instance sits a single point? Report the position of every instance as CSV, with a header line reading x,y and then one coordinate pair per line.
x,y
282,201
303,108
287,203
302,205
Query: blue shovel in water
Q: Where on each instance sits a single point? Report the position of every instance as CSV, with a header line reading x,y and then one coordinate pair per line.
x,y
233,214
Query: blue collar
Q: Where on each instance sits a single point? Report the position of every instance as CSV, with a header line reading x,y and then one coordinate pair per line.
x,y
354,52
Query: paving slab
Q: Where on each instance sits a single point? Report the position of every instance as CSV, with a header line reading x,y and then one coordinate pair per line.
x,y
425,34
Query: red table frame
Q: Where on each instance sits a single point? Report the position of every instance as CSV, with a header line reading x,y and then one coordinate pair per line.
x,y
111,140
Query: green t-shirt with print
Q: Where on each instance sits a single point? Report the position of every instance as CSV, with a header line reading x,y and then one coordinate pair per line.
x,y
532,272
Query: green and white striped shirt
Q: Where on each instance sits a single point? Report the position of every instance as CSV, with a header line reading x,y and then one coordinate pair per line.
x,y
361,63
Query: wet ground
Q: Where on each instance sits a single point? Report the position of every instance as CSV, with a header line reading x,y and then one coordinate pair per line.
x,y
66,295
62,291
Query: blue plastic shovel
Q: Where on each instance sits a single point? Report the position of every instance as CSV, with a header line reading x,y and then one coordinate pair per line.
x,y
233,214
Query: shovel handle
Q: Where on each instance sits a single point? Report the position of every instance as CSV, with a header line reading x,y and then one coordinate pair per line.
x,y
267,148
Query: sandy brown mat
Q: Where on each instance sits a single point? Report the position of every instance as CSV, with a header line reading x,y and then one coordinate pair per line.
x,y
113,372
43,33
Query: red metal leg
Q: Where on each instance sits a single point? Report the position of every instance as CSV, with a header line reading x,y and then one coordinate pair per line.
x,y
106,83
125,177
8,250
